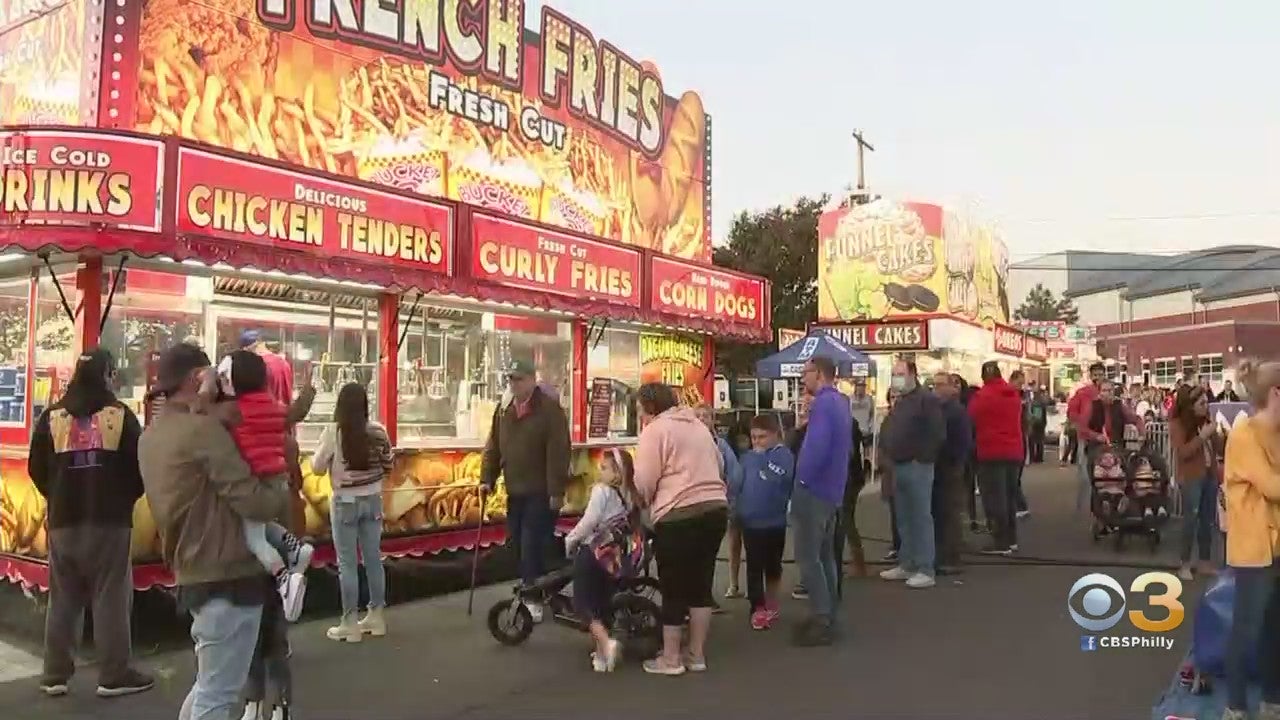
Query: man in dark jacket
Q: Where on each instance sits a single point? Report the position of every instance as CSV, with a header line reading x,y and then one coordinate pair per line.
x,y
996,410
84,461
948,474
910,444
529,446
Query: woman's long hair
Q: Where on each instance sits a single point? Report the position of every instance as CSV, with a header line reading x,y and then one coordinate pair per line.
x,y
351,413
90,389
1184,408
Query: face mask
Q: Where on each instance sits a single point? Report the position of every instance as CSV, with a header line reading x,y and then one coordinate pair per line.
x,y
899,383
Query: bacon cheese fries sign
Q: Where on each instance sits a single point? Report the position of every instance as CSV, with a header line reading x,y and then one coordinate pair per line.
x,y
69,178
518,255
229,198
695,291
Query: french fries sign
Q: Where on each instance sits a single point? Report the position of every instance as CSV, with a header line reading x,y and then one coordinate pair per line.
x,y
228,198
524,256
70,178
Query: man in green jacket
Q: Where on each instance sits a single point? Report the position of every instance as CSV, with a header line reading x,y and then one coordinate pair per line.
x,y
529,446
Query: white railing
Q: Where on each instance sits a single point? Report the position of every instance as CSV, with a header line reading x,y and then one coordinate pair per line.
x,y
1158,436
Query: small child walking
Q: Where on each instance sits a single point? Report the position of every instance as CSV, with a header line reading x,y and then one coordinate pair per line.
x,y
258,424
760,499
612,505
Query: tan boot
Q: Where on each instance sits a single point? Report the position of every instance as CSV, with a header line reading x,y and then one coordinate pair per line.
x,y
373,623
347,630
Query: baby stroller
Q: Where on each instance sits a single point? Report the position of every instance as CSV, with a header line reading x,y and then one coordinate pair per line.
x,y
634,610
1130,490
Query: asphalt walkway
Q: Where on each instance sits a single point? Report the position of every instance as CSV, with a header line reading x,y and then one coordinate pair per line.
x,y
995,643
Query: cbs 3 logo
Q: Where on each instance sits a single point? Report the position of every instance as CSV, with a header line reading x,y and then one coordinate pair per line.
x,y
1102,602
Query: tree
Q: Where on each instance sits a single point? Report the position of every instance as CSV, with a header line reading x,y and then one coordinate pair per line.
x,y
781,244
1067,311
1040,305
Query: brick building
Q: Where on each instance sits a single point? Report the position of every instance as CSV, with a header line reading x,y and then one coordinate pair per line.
x,y
1163,317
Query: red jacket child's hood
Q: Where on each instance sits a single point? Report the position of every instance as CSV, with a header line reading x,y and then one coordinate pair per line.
x,y
996,410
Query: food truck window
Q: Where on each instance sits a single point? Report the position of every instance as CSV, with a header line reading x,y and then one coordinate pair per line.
x,y
149,312
332,335
15,325
453,369
616,357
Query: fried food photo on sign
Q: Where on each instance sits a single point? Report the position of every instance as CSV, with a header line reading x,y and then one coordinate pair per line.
x,y
458,503
22,518
408,493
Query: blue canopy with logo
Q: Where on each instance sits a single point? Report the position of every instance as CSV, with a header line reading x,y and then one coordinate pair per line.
x,y
789,362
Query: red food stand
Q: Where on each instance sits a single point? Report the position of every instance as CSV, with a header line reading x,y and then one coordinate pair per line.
x,y
410,216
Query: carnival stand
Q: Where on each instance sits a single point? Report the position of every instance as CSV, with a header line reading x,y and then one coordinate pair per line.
x,y
413,218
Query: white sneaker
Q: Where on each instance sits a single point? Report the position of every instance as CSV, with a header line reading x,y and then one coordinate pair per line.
x,y
1013,547
535,611
921,580
1023,514
611,653
1184,573
252,711
279,713
373,623
347,630
293,590
895,574
300,558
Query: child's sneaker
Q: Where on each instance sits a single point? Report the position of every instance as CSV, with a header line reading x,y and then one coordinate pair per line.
x,y
774,613
299,556
293,590
760,619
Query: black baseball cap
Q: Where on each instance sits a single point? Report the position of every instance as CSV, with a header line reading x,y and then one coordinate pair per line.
x,y
521,368
175,364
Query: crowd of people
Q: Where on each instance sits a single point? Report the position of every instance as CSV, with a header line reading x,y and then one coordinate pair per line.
x,y
219,466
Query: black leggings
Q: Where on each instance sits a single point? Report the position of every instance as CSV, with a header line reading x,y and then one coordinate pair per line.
x,y
686,552
764,548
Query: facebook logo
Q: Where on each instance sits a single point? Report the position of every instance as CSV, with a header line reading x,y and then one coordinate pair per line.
x,y
1088,643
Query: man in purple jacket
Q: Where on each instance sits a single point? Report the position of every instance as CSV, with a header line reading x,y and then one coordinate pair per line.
x,y
821,473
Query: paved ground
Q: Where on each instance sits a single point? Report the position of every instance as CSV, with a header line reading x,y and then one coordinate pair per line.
x,y
996,644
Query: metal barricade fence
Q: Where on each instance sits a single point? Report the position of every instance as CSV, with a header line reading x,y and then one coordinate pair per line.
x,y
1158,436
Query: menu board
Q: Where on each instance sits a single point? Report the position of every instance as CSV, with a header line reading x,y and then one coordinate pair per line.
x,y
599,408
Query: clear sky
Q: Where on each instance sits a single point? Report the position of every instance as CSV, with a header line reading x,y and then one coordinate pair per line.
x,y
1059,120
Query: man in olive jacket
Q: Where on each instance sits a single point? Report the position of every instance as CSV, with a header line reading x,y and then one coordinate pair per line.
x,y
529,446
199,490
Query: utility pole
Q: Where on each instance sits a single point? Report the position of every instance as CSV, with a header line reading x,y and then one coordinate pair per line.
x,y
863,148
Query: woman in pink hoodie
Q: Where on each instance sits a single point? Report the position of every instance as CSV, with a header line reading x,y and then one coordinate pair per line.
x,y
678,478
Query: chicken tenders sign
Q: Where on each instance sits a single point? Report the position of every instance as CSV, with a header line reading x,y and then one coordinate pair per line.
x,y
225,197
691,290
70,178
524,256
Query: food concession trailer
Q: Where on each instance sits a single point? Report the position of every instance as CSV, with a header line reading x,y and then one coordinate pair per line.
x,y
379,213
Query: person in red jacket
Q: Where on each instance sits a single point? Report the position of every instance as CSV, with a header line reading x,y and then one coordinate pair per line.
x,y
1079,412
996,410
259,424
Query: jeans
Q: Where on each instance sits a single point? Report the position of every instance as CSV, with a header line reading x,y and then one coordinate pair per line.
x,y
893,525
88,569
948,489
1084,491
1199,516
1019,498
1255,624
357,524
913,505
270,677
1035,451
813,522
225,636
998,480
530,526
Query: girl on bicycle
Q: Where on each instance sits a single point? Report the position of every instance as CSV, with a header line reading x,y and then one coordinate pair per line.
x,y
612,505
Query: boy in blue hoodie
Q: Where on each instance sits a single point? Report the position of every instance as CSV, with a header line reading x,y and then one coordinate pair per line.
x,y
760,496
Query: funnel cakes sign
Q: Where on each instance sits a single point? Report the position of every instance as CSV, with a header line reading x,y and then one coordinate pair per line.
x,y
446,98
509,253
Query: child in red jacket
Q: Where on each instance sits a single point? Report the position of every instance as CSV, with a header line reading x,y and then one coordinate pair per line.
x,y
258,424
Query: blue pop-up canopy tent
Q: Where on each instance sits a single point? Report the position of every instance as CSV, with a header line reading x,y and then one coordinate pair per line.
x,y
789,363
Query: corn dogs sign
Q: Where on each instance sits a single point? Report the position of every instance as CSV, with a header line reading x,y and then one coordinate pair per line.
x,y
229,198
446,98
695,291
70,178
518,255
